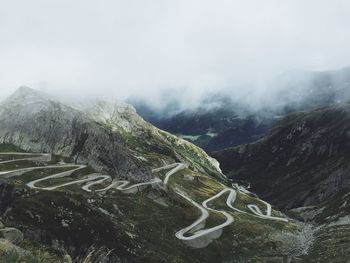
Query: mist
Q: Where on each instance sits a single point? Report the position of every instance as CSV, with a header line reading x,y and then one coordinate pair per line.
x,y
182,50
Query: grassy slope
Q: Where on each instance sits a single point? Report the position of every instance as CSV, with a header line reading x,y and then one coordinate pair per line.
x,y
332,238
155,145
141,226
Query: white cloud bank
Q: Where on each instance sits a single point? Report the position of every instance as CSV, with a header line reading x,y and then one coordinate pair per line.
x,y
123,47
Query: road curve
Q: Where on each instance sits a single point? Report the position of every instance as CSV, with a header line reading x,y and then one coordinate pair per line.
x,y
195,235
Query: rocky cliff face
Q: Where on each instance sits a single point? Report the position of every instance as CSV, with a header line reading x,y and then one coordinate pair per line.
x,y
35,123
112,138
146,141
304,160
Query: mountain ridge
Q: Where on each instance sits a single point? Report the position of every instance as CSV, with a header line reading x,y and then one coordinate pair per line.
x,y
299,142
126,187
302,167
223,119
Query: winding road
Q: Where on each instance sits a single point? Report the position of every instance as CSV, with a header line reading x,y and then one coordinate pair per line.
x,y
195,235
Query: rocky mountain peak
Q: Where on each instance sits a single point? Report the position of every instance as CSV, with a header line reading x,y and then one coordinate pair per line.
x,y
24,92
26,100
112,109
117,112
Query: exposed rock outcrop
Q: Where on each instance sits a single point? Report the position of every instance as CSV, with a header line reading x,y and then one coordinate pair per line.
x,y
11,234
34,122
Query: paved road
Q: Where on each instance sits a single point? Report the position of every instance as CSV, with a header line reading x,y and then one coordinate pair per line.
x,y
192,233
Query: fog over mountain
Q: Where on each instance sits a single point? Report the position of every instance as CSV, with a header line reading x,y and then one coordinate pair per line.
x,y
174,131
125,48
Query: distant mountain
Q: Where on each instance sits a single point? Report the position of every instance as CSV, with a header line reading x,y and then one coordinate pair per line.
x,y
302,161
99,179
301,90
221,120
302,165
223,125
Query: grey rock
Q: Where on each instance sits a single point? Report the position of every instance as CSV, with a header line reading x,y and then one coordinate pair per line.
x,y
67,259
13,235
14,252
34,122
7,195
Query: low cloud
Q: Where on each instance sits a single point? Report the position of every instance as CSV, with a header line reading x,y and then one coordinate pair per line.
x,y
146,48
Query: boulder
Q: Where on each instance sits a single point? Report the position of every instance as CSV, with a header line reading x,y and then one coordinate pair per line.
x,y
11,234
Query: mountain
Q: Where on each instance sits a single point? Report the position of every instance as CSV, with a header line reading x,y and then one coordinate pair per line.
x,y
302,166
302,90
34,122
223,124
98,181
222,120
308,150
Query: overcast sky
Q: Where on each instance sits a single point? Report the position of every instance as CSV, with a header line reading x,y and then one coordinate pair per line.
x,y
116,48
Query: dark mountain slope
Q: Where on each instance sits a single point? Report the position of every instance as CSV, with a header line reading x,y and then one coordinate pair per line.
x,y
73,178
302,90
304,160
222,120
218,123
